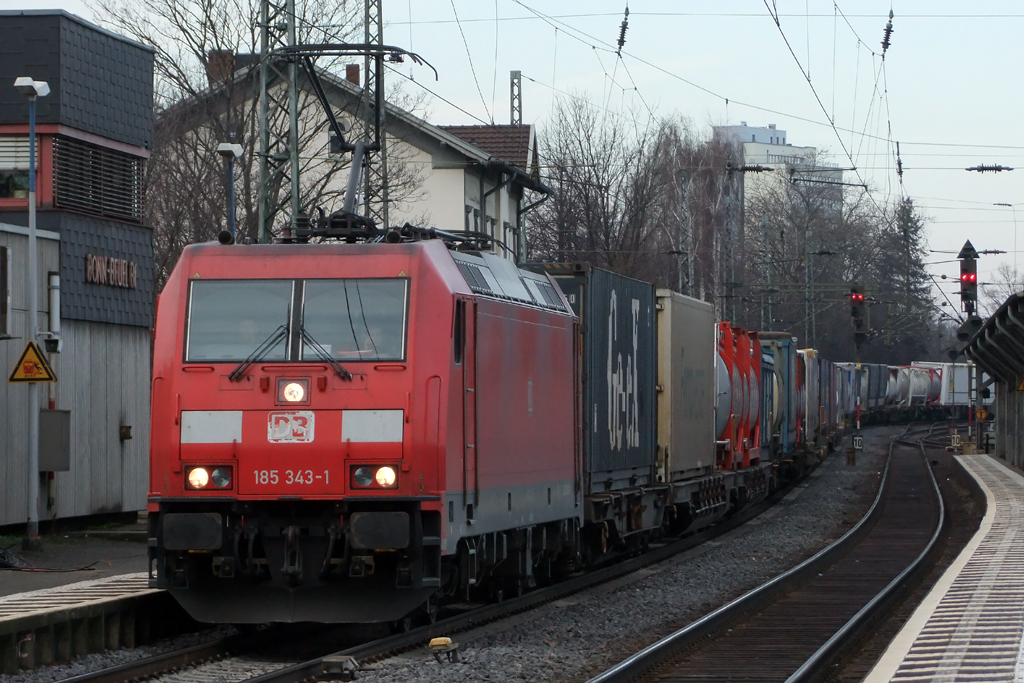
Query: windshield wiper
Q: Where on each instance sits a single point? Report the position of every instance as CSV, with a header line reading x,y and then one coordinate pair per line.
x,y
269,343
322,353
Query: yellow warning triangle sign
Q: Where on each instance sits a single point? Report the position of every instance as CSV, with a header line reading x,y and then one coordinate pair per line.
x,y
32,366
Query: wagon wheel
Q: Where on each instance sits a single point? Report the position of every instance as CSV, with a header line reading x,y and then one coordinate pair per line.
x,y
400,625
427,612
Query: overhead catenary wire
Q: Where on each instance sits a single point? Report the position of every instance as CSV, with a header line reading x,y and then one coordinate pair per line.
x,y
739,15
597,44
472,68
822,106
555,22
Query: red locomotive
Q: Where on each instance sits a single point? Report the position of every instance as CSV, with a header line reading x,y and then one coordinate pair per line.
x,y
321,442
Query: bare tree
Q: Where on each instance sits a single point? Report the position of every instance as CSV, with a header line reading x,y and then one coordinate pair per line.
x,y
1006,281
604,192
206,93
777,250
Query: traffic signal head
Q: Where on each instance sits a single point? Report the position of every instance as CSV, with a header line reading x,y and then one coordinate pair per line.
x,y
856,302
968,280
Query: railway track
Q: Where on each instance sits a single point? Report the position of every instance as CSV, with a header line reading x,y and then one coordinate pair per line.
x,y
793,627
233,658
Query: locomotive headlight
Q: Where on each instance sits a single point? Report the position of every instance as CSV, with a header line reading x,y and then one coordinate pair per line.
x,y
363,476
386,477
372,476
198,478
221,477
293,392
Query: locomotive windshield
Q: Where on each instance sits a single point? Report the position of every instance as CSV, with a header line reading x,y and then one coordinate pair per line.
x,y
356,320
228,319
351,320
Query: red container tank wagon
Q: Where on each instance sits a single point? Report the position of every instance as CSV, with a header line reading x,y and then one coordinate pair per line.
x,y
352,432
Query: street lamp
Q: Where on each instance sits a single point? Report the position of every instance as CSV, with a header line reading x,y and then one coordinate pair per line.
x,y
1014,234
230,151
32,89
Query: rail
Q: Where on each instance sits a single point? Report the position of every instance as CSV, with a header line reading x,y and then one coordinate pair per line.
x,y
663,650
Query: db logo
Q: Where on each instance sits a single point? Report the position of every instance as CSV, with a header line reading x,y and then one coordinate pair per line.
x,y
296,427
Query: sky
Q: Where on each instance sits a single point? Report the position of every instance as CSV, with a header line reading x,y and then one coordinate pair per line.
x,y
946,90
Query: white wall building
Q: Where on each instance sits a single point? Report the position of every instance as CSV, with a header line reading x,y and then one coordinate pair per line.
x,y
767,146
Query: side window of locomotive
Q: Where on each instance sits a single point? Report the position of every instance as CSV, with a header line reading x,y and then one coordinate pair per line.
x,y
459,331
357,319
229,319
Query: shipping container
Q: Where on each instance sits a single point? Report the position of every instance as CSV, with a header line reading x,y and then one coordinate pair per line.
x,y
783,422
686,350
770,413
878,385
955,378
619,373
812,395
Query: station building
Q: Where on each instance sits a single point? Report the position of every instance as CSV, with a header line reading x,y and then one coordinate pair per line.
x,y
96,288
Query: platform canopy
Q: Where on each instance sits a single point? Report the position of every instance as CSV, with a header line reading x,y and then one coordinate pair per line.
x,y
998,347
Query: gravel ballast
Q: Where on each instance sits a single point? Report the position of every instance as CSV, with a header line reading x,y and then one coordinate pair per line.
x,y
575,638
102,660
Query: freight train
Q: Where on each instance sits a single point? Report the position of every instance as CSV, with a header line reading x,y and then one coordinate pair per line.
x,y
357,432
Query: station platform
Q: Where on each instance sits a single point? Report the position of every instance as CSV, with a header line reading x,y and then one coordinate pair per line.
x,y
76,556
970,626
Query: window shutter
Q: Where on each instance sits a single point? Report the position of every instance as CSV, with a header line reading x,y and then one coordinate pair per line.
x,y
95,180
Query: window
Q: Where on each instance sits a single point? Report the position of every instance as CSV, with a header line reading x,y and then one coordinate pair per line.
x,y
14,160
356,320
352,320
13,184
459,330
95,180
229,319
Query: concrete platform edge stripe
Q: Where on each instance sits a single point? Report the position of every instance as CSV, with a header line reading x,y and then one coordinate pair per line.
x,y
76,605
899,648
131,582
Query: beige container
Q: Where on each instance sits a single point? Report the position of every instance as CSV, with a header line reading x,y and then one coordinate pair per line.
x,y
686,386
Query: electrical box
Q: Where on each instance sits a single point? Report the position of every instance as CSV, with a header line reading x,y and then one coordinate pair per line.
x,y
54,440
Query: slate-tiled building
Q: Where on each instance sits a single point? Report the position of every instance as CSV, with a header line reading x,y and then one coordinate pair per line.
x,y
94,131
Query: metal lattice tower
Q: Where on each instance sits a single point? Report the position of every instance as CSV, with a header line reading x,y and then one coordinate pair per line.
x,y
278,93
516,98
375,172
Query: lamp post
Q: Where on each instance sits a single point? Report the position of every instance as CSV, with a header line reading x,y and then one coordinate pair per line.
x,y
32,89
1014,210
230,151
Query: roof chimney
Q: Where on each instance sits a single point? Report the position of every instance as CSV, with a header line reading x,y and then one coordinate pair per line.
x,y
352,73
219,65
